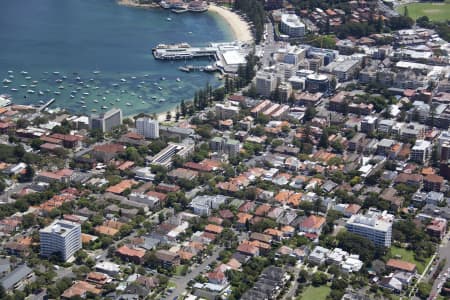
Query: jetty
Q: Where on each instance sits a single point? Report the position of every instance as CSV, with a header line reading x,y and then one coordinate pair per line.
x,y
45,105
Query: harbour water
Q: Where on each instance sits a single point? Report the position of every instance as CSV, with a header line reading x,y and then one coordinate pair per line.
x,y
93,55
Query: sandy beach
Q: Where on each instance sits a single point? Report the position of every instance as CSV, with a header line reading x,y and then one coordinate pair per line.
x,y
240,28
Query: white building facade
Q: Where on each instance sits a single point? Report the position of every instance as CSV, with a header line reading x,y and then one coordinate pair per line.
x,y
147,127
61,238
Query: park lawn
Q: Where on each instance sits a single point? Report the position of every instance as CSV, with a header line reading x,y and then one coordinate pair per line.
x,y
435,11
408,255
315,293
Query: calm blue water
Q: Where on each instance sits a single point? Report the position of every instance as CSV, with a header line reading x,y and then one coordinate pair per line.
x,y
76,37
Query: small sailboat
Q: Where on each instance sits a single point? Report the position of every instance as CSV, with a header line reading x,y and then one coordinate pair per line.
x,y
178,79
128,104
96,72
104,107
95,101
169,19
123,80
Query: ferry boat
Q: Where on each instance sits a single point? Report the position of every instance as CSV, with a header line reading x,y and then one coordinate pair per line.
x,y
198,6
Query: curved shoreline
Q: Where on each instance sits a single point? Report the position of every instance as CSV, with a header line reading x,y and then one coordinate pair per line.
x,y
239,27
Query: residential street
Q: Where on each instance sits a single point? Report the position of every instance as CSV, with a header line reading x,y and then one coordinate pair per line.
x,y
182,281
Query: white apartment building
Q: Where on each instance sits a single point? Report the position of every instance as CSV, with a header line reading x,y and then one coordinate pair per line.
x,y
106,121
375,226
62,238
147,127
421,151
265,83
292,26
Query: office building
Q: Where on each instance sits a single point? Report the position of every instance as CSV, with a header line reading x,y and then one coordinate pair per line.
x,y
60,238
106,121
147,127
291,25
375,226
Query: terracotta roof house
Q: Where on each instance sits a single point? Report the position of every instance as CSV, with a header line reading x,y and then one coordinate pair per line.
x,y
107,152
217,277
312,224
98,278
401,265
216,229
248,249
121,186
80,288
134,255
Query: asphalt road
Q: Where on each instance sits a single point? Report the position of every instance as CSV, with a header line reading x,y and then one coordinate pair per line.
x,y
181,282
444,253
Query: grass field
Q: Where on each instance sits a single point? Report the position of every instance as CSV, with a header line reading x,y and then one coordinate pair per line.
x,y
435,11
315,293
408,255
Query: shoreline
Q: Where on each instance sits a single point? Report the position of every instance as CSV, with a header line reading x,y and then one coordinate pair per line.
x,y
239,27
240,30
